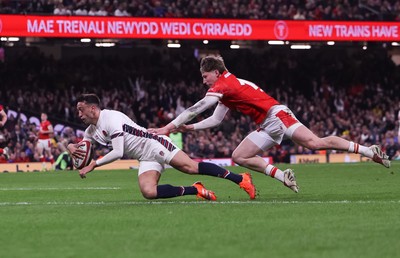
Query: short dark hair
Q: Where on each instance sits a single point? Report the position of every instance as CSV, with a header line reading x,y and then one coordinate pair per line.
x,y
211,63
89,98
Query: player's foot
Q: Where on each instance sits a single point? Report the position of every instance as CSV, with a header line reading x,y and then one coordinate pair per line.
x,y
289,180
6,152
203,193
43,166
379,156
247,185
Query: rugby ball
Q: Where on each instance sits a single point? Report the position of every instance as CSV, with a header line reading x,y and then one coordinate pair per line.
x,y
86,146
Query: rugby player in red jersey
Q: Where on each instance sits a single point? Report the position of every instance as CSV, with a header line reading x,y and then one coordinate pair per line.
x,y
275,121
44,142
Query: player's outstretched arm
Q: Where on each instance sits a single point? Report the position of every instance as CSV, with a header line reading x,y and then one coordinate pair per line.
x,y
117,153
212,121
184,128
186,115
87,169
163,130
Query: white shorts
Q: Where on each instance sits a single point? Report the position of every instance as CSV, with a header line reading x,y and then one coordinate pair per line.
x,y
157,154
44,144
280,123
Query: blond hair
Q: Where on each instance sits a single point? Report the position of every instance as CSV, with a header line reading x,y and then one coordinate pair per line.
x,y
211,63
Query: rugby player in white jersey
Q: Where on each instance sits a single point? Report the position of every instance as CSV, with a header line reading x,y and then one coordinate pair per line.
x,y
115,129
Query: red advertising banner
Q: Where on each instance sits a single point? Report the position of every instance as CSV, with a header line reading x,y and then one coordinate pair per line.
x,y
113,27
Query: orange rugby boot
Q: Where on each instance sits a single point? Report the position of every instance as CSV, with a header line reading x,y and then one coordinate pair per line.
x,y
203,193
247,185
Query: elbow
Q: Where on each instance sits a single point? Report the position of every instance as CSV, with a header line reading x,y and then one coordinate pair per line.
x,y
119,154
217,122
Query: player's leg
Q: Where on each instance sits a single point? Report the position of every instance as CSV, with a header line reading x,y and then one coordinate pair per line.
x,y
246,155
47,150
49,155
148,182
39,150
184,163
305,137
149,175
271,133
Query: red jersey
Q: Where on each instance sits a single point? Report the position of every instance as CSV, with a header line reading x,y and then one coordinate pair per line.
x,y
1,108
44,126
242,95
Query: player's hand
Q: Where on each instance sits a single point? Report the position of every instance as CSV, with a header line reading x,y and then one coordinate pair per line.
x,y
75,151
87,169
158,131
185,128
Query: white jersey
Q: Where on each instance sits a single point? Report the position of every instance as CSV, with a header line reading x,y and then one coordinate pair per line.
x,y
128,139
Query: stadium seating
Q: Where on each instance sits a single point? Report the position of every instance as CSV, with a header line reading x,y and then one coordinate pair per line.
x,y
342,94
348,92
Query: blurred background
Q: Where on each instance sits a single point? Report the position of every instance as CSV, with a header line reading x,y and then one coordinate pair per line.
x,y
344,88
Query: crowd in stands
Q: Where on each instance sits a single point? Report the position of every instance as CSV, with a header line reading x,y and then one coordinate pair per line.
x,y
352,94
236,9
347,93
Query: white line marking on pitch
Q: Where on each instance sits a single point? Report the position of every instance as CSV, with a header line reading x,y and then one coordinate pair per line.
x,y
55,188
55,203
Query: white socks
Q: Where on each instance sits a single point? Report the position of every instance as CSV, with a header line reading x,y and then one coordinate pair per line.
x,y
357,148
274,172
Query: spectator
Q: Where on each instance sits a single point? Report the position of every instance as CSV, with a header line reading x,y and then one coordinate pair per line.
x,y
300,14
82,11
92,11
336,110
102,11
61,10
121,10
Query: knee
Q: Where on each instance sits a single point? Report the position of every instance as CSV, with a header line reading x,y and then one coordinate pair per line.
x,y
149,192
238,159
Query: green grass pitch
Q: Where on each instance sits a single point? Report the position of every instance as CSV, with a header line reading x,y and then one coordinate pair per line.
x,y
342,210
